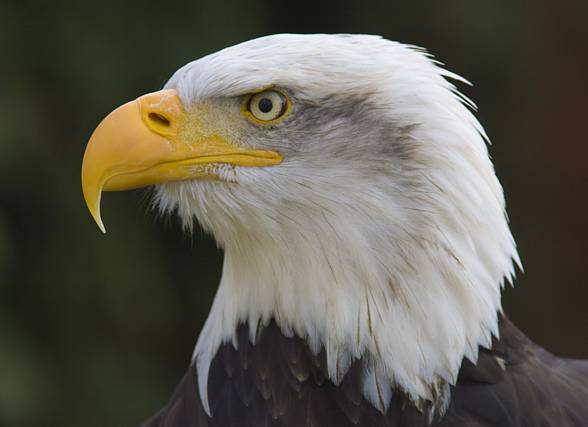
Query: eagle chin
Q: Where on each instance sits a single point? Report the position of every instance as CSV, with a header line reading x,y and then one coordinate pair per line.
x,y
365,238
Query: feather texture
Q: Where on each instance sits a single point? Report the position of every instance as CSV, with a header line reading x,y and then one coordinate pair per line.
x,y
382,235
515,383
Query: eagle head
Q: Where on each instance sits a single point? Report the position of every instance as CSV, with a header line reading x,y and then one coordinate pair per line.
x,y
350,188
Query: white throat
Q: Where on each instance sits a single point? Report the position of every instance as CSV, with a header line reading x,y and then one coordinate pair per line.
x,y
411,295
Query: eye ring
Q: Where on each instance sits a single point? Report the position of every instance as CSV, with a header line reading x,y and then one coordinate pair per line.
x,y
267,107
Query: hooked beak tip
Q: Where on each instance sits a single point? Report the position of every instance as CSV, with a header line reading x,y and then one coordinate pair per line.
x,y
100,225
93,196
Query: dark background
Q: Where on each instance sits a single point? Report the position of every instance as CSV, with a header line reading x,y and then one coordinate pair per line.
x,y
96,330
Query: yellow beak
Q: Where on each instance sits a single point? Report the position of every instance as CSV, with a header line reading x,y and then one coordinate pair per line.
x,y
152,140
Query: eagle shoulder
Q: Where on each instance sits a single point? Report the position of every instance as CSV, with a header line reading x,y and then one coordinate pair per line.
x,y
278,381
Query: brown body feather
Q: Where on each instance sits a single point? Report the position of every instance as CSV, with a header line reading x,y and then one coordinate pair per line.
x,y
279,382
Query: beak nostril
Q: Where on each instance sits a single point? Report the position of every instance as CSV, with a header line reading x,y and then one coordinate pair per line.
x,y
159,119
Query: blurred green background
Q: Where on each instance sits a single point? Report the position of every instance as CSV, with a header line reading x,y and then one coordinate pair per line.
x,y
96,330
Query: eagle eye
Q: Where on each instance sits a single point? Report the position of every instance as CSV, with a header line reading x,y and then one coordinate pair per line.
x,y
267,106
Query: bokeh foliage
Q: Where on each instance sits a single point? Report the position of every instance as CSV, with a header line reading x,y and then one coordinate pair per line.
x,y
96,330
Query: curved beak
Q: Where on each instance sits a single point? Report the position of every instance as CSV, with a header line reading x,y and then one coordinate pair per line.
x,y
152,140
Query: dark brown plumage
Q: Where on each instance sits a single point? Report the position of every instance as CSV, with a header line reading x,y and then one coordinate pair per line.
x,y
278,382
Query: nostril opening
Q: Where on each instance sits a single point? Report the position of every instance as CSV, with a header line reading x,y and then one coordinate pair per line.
x,y
159,119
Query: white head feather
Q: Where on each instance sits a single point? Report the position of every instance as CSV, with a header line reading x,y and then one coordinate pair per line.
x,y
381,236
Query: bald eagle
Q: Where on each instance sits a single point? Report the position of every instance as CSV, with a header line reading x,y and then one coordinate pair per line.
x,y
365,239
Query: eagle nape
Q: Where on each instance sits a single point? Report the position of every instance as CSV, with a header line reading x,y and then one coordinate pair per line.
x,y
365,237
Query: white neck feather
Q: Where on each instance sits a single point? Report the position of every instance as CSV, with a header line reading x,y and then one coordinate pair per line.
x,y
410,293
402,266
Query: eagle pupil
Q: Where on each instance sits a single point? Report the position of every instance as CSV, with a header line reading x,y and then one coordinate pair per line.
x,y
265,105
